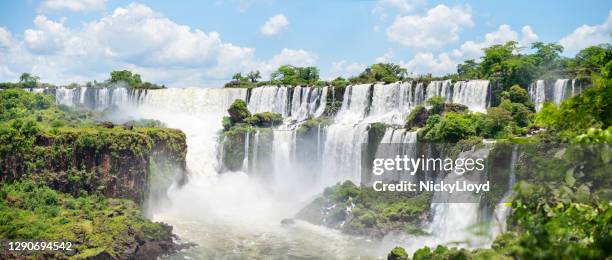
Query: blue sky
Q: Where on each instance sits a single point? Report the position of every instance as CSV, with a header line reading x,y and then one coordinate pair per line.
x,y
202,43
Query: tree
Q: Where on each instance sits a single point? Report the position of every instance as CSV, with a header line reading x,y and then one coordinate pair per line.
x,y
238,111
28,79
253,76
293,76
339,82
547,53
238,76
468,70
590,60
132,79
381,72
437,104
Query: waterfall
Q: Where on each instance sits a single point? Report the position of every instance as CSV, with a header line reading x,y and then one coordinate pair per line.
x,y
472,94
269,99
391,103
255,151
541,91
245,163
282,155
455,213
344,138
396,142
439,88
502,210
322,102
559,90
537,92
307,102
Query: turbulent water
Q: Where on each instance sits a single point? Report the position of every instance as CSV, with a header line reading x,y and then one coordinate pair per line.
x,y
238,214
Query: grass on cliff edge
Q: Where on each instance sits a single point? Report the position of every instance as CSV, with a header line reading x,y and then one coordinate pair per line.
x,y
92,223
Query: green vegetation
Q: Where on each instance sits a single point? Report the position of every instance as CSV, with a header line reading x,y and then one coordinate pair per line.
x,y
561,208
131,79
381,72
398,253
371,212
239,81
59,166
93,224
237,126
293,76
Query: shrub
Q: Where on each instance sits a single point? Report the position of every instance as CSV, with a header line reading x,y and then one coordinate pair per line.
x,y
238,111
398,253
417,117
437,104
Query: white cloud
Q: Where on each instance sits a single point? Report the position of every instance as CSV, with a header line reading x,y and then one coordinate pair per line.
x,y
274,25
385,58
504,33
383,7
299,58
440,26
73,5
446,62
6,38
588,35
345,69
133,37
529,36
49,37
426,62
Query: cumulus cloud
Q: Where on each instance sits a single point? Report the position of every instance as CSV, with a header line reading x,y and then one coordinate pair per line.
x,y
446,62
426,62
588,35
440,26
503,34
345,69
72,5
385,58
5,37
133,37
48,37
274,25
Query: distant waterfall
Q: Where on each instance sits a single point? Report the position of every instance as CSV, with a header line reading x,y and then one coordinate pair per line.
x,y
543,91
92,97
474,93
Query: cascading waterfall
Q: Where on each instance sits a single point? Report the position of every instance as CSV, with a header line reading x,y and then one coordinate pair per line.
x,y
391,103
455,213
307,102
342,152
472,94
237,202
269,99
542,91
502,210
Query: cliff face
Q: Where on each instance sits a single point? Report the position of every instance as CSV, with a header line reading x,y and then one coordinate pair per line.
x,y
114,162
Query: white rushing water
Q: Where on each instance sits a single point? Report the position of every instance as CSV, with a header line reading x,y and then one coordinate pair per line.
x,y
555,91
235,215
